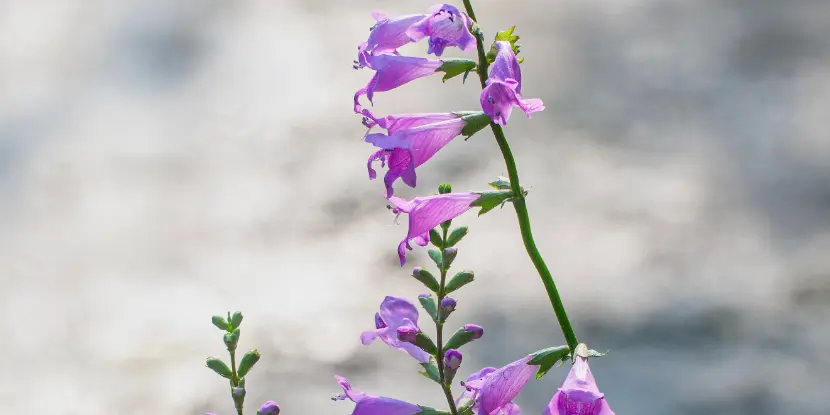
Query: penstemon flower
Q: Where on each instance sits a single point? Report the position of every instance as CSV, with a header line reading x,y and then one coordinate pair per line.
x,y
579,395
446,26
504,87
493,390
428,212
395,313
387,35
392,71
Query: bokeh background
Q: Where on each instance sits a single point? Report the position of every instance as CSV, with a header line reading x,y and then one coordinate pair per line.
x,y
164,161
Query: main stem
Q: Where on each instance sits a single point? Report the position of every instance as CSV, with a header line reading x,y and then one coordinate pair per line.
x,y
519,201
234,379
439,329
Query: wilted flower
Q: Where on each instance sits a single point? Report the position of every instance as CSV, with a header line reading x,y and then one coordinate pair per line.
x,y
446,26
504,87
387,35
493,390
404,149
579,394
395,312
374,405
392,71
428,212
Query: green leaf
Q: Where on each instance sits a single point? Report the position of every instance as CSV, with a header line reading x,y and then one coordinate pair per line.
x,y
220,323
502,183
431,371
504,36
455,67
236,320
426,278
435,238
425,410
218,366
474,123
492,198
546,358
435,255
247,362
459,280
456,235
428,303
459,338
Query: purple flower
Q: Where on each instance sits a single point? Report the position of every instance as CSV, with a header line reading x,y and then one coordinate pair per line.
x,y
410,143
504,87
395,312
428,212
392,71
579,395
446,26
448,304
493,390
387,35
452,359
374,405
408,334
269,408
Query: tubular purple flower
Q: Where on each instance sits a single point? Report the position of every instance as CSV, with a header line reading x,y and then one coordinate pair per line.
x,y
477,330
504,87
392,71
428,212
446,26
493,390
395,312
408,334
387,35
579,394
407,149
367,404
269,408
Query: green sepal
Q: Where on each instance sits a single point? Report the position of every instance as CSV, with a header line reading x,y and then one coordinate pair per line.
x,y
458,339
247,362
217,365
435,255
425,410
546,358
426,278
508,36
456,235
431,371
428,303
491,198
502,183
220,323
474,123
425,343
236,320
459,280
435,238
455,67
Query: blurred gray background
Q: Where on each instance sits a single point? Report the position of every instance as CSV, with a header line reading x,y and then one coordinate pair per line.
x,y
163,161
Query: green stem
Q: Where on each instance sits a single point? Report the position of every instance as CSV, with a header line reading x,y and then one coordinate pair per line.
x,y
234,379
439,330
519,203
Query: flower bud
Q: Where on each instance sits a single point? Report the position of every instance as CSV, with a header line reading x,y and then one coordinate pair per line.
x,y
477,330
452,361
269,408
444,188
220,323
218,366
456,235
247,362
464,335
428,303
236,320
449,256
238,395
459,280
231,339
447,306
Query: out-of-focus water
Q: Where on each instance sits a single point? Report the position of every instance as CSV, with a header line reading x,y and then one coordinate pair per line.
x,y
164,161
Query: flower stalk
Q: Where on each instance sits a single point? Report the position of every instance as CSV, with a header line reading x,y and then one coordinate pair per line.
x,y
519,203
439,324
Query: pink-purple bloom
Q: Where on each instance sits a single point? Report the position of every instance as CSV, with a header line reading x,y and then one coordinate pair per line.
x,y
395,313
387,35
579,394
428,212
493,390
445,26
410,142
367,404
392,71
504,87
269,408
477,330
